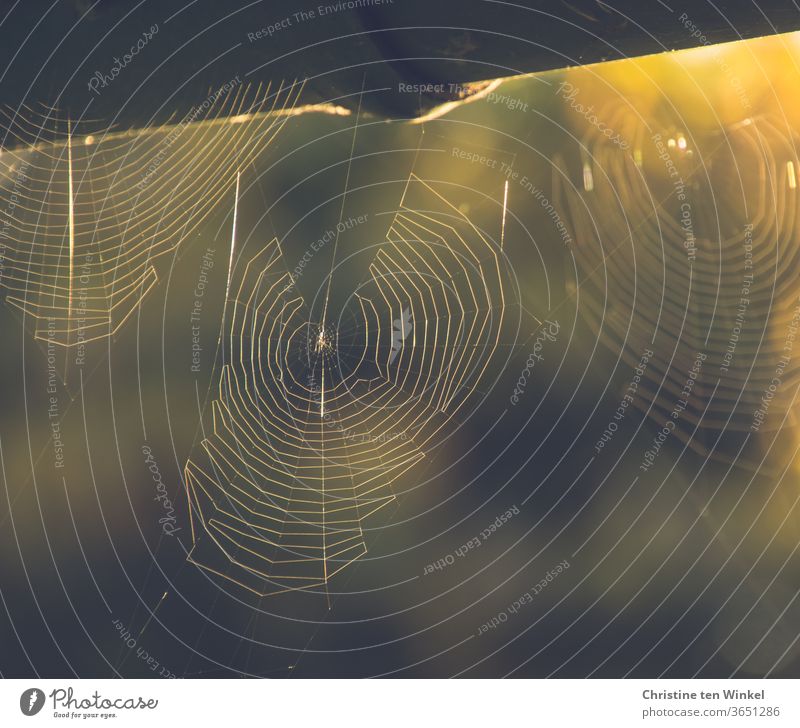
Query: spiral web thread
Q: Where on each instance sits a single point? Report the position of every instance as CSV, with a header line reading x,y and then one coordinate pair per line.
x,y
305,447
88,214
737,299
